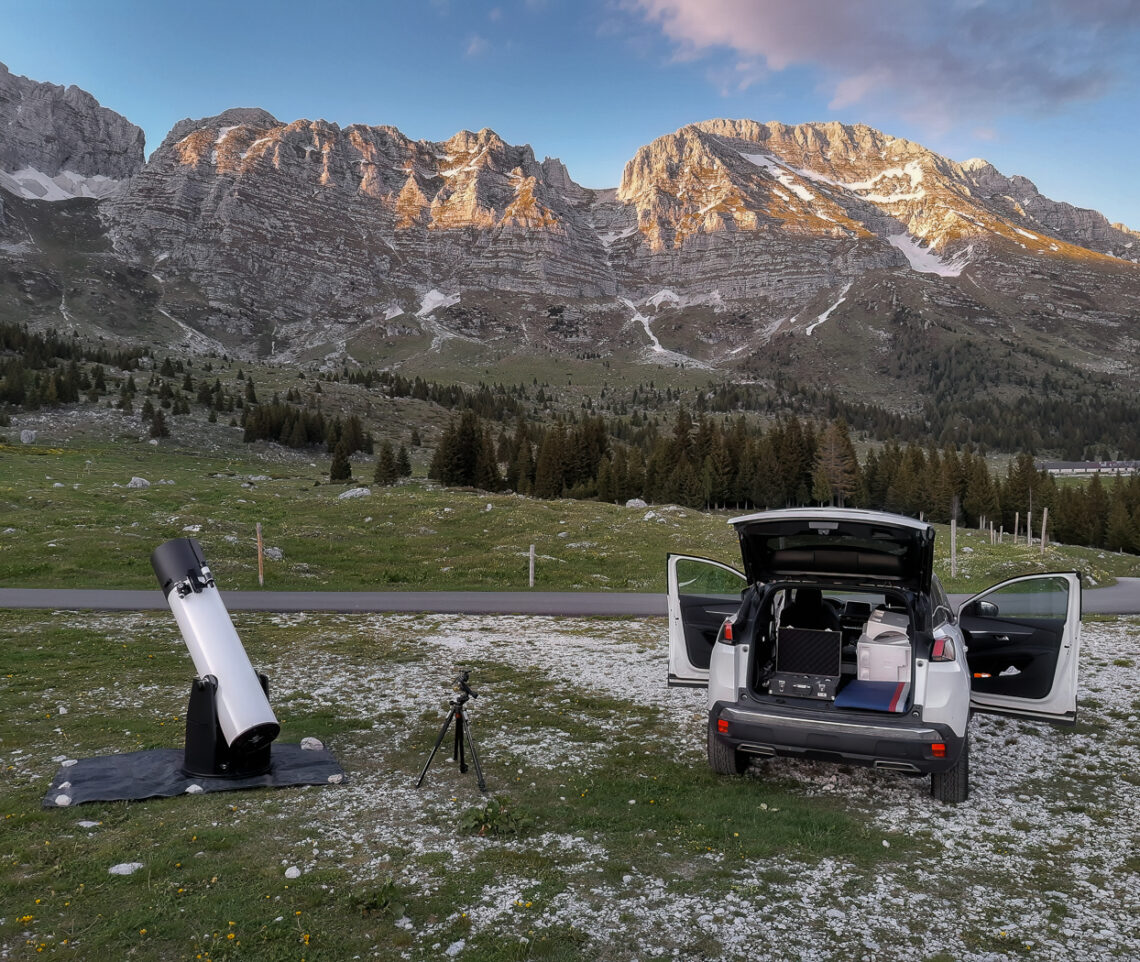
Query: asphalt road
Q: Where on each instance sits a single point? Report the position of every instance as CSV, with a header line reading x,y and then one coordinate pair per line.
x,y
1123,598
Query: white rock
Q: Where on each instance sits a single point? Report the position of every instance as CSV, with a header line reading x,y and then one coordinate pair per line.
x,y
311,744
194,789
63,800
192,528
138,483
125,868
274,554
455,948
336,779
27,437
68,763
354,493
58,484
88,824
292,872
636,503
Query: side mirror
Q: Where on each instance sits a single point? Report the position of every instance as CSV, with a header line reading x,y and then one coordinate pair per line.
x,y
980,609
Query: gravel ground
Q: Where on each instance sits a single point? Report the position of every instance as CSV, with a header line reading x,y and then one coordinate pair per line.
x,y
1031,865
1042,862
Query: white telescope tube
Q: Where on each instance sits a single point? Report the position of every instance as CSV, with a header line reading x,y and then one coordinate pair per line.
x,y
244,715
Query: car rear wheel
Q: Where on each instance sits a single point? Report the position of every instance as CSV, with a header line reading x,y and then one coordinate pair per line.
x,y
725,760
953,785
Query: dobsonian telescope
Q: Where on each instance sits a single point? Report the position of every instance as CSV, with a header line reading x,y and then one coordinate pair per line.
x,y
458,714
229,724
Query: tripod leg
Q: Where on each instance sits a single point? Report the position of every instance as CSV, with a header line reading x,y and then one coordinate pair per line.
x,y
460,726
438,742
475,759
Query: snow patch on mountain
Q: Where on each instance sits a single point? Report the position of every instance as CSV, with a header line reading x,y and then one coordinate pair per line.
x,y
926,261
433,300
666,296
912,172
781,173
32,184
826,314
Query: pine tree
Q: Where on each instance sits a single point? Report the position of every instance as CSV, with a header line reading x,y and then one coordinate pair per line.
x,y
341,468
158,428
385,473
403,463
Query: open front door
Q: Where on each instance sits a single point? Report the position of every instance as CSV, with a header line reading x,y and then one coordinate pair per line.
x,y
1023,638
702,594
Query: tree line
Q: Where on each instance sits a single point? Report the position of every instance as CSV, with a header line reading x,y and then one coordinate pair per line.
x,y
706,463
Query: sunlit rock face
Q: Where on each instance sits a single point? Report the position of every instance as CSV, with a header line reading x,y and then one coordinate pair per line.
x,y
725,242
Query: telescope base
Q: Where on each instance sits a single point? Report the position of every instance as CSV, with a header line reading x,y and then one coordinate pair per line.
x,y
207,753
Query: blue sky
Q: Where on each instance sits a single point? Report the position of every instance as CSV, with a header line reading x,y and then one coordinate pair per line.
x,y
1044,88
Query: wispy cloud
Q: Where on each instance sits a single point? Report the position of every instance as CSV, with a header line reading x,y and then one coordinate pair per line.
x,y
947,62
477,45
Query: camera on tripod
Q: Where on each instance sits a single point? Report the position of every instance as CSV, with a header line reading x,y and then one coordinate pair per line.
x,y
463,739
461,684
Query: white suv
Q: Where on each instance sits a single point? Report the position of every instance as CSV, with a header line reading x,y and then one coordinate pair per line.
x,y
838,643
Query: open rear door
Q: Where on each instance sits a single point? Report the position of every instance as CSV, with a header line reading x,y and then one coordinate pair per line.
x,y
1023,639
702,594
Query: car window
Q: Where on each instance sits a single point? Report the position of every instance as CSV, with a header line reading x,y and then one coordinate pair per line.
x,y
1038,598
696,577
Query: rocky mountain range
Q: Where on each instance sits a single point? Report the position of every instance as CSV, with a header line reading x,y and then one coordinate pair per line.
x,y
822,250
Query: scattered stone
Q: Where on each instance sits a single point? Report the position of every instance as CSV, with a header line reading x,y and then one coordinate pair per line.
x,y
63,800
27,437
125,868
58,484
636,503
274,554
138,483
336,779
67,763
165,481
192,528
86,823
194,789
354,493
292,872
455,948
311,744
489,507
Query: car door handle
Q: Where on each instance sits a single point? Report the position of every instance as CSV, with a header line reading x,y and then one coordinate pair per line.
x,y
1004,639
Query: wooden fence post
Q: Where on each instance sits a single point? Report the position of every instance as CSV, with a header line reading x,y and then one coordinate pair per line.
x,y
532,566
953,547
1044,521
260,558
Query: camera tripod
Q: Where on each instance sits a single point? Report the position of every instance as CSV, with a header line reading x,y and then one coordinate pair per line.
x,y
458,714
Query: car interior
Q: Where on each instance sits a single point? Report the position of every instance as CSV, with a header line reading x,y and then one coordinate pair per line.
x,y
849,651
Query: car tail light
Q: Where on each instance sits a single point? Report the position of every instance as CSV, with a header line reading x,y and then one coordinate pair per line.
x,y
722,725
943,650
726,631
938,749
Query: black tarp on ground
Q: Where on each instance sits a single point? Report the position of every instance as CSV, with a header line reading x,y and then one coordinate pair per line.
x,y
157,773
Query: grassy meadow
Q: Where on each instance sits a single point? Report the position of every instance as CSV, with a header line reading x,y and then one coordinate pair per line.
x,y
69,519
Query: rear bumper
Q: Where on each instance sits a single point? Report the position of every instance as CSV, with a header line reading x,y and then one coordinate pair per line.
x,y
898,743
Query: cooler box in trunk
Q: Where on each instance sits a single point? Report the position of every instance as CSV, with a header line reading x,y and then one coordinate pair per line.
x,y
884,658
